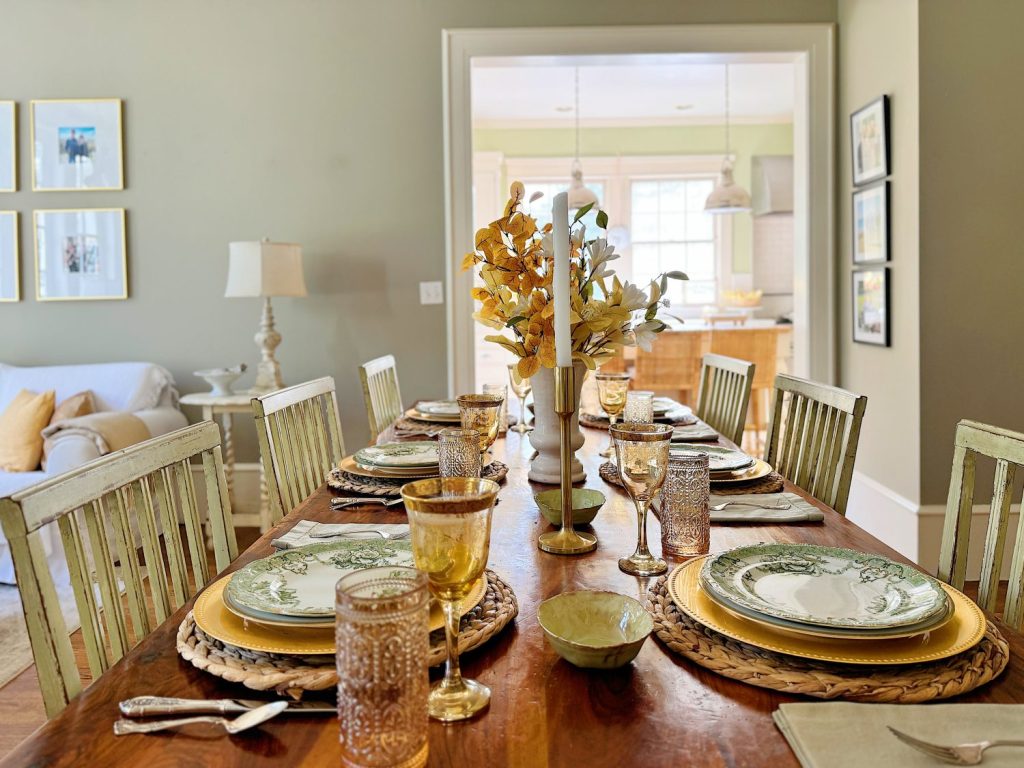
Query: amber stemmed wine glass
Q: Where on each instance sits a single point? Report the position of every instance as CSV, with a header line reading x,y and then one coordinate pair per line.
x,y
521,387
480,412
450,525
611,391
642,451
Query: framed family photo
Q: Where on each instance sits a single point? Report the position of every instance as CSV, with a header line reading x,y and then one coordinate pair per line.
x,y
76,144
871,224
10,280
871,306
81,254
869,139
8,146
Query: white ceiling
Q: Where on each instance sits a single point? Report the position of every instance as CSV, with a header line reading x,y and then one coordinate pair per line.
x,y
630,90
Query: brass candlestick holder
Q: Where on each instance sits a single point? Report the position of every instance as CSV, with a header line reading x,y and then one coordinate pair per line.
x,y
566,540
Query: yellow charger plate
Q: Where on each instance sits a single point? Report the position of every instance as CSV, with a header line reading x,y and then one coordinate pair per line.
x,y
756,472
214,617
348,464
963,631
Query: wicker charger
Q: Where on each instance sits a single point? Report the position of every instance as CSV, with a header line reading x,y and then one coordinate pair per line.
x,y
771,483
346,482
293,675
897,684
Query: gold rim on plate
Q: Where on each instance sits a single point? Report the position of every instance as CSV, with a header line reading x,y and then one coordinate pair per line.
x,y
962,632
215,618
756,472
348,464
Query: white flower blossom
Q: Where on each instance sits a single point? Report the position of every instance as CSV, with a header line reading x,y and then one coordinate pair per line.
x,y
601,252
644,334
633,298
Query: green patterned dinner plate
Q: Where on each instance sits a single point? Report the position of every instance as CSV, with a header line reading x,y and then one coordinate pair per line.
x,y
300,582
406,455
720,458
823,586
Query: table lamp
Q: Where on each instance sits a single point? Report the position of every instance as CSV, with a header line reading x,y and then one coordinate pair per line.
x,y
265,269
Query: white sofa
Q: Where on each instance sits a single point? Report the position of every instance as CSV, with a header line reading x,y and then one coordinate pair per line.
x,y
143,389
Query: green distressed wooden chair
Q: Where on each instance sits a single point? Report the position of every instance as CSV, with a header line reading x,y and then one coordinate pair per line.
x,y
813,435
724,394
381,393
300,441
1007,449
103,509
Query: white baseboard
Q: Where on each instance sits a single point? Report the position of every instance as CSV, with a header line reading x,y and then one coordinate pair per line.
x,y
885,514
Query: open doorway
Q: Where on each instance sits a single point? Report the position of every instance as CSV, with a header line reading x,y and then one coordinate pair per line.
x,y
648,131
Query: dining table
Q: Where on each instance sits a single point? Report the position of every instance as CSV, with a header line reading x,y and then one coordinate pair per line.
x,y
660,710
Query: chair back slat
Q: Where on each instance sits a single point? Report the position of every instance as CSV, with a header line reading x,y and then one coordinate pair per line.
x,y
300,440
813,435
1006,449
108,511
724,395
381,393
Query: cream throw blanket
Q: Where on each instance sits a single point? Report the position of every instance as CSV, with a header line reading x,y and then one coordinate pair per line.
x,y
109,430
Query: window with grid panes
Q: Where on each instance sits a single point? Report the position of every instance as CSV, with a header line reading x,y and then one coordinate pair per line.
x,y
670,230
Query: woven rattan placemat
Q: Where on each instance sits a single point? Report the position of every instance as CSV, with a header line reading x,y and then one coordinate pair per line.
x,y
346,482
677,418
293,675
894,684
768,484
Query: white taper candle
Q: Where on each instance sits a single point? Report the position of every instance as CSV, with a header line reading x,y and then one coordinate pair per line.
x,y
560,285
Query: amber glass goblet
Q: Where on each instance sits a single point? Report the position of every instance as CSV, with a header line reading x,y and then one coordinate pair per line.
x,y
480,412
611,391
642,451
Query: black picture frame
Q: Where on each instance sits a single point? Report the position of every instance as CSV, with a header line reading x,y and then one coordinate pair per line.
x,y
860,226
870,161
874,328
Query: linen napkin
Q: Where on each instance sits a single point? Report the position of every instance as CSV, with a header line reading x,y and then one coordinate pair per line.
x,y
845,735
299,536
800,510
691,433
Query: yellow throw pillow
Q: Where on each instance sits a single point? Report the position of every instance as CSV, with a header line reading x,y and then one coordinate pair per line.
x,y
72,407
21,444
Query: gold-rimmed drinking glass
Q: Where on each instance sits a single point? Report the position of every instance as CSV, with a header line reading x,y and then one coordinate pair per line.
x,y
450,528
521,387
458,452
480,412
642,451
502,391
611,391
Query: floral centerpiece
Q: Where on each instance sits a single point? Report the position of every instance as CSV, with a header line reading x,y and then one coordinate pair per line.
x,y
516,261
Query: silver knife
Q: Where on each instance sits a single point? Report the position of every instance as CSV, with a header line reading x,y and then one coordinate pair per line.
x,y
143,706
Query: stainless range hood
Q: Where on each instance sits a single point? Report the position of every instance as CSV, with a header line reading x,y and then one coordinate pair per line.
x,y
771,185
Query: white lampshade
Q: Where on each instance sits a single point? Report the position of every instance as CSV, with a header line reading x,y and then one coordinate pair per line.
x,y
580,194
727,196
263,268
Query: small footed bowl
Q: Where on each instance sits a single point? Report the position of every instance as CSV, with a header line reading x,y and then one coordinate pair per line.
x,y
595,630
586,503
220,379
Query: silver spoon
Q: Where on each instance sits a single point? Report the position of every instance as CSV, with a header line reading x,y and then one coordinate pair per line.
x,y
243,722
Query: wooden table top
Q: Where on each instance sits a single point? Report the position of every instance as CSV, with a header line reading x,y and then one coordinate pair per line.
x,y
659,710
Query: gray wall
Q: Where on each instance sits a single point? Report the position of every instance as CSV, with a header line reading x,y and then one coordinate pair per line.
x,y
314,121
878,54
972,316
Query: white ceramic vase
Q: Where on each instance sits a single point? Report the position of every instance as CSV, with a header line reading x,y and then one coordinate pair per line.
x,y
547,465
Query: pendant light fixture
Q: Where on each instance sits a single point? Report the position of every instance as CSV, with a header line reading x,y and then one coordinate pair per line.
x,y
579,194
727,196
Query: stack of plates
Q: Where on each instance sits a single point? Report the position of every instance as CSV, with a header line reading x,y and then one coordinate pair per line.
x,y
411,459
436,411
285,603
726,465
827,603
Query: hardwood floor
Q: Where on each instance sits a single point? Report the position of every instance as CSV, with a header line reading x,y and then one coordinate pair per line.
x,y
21,704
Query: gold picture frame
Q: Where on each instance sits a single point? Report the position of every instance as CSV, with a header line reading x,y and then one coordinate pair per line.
x,y
47,163
14,145
16,259
120,229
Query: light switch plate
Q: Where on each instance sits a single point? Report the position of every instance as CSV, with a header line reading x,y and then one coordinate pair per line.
x,y
432,292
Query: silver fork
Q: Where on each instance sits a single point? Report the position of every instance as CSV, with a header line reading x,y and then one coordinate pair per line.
x,y
323,531
959,754
340,502
724,504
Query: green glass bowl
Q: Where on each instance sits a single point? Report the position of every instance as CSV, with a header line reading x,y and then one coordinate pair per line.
x,y
595,630
586,503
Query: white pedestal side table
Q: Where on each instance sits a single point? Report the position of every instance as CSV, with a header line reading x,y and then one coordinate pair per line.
x,y
221,408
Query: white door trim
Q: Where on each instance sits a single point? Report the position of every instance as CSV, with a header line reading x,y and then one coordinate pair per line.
x,y
812,47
